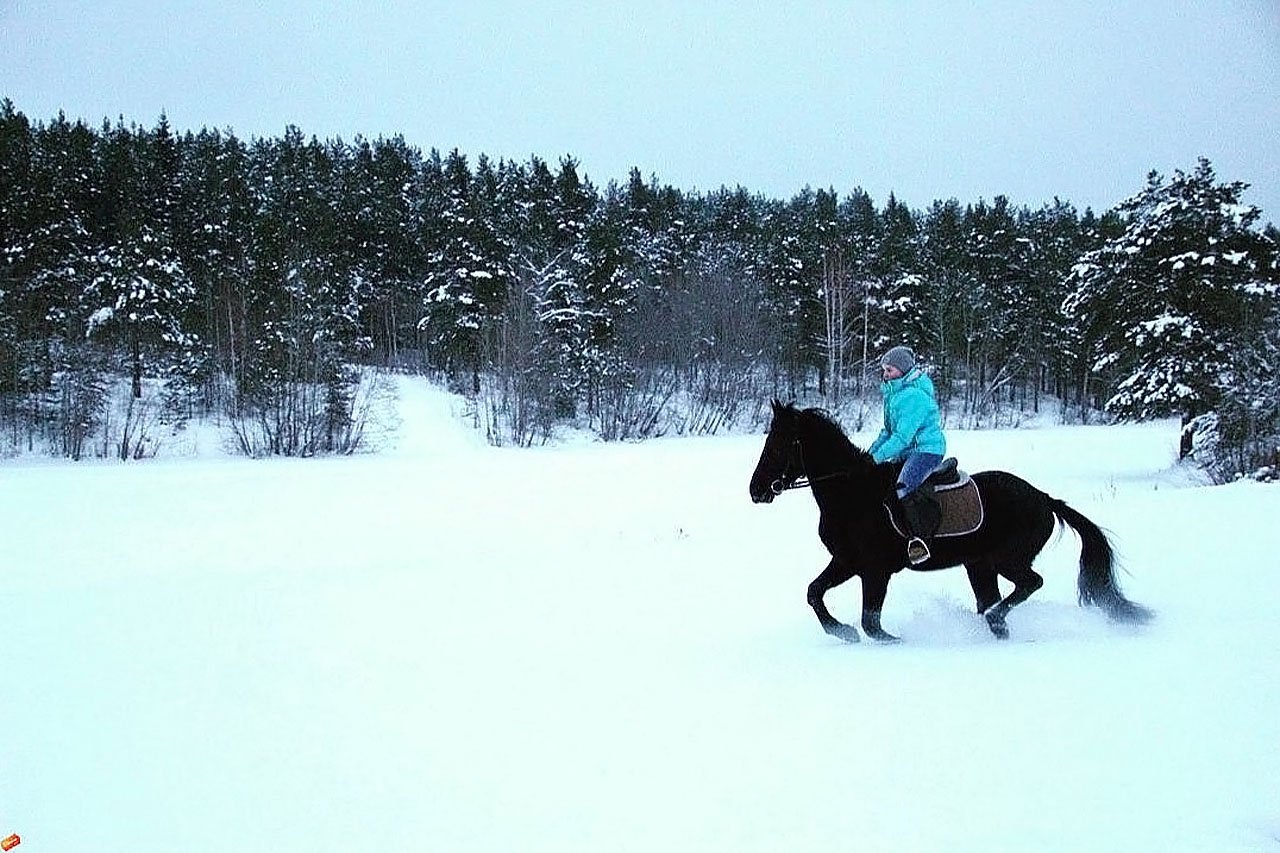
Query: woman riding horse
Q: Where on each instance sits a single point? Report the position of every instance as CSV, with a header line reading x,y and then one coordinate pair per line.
x,y
806,448
912,435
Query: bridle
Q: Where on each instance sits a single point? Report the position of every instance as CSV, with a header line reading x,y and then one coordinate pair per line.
x,y
804,481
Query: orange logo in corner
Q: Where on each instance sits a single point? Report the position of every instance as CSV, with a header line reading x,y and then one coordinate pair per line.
x,y
11,842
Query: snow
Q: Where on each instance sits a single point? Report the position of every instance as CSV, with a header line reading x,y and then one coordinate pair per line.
x,y
1165,325
101,317
446,646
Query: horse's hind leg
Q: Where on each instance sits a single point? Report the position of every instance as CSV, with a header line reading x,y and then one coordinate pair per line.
x,y
1025,582
833,575
985,583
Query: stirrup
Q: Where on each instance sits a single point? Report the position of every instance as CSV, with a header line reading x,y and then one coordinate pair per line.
x,y
917,551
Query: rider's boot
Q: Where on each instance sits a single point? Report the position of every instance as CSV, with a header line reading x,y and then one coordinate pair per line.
x,y
918,512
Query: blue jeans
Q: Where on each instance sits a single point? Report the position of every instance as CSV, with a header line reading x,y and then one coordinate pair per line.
x,y
915,469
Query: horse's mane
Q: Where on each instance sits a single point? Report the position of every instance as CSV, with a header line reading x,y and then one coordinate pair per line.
x,y
835,433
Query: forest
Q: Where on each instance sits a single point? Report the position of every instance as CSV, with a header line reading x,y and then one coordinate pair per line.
x,y
150,277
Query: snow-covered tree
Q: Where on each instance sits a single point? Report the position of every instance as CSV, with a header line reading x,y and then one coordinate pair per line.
x,y
903,295
380,206
1054,242
282,262
468,271
139,296
796,239
949,278
213,230
1173,305
862,232
47,241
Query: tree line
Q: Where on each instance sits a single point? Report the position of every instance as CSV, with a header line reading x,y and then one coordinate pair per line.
x,y
258,280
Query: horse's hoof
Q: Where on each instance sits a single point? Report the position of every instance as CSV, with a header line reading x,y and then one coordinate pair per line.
x,y
848,633
998,626
882,636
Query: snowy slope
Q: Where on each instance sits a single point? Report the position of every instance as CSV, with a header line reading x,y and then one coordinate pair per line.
x,y
606,647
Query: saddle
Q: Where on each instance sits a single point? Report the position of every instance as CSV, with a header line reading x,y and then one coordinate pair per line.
x,y
955,496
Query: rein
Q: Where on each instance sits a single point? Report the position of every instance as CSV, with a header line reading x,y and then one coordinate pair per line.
x,y
803,482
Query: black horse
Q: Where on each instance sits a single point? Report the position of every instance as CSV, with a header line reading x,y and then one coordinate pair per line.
x,y
808,448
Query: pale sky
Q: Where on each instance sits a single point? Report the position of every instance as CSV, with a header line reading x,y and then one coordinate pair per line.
x,y
929,100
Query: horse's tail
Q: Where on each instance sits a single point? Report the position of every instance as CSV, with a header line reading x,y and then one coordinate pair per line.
x,y
1097,581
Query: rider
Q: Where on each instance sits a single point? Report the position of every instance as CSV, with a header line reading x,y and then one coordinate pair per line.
x,y
913,435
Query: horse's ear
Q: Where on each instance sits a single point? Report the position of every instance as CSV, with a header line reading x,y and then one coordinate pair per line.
x,y
777,405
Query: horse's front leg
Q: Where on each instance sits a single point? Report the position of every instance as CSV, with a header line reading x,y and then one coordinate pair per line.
x,y
833,575
875,585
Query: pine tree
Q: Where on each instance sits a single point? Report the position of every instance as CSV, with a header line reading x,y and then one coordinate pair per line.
x,y
16,144
949,278
611,286
45,234
139,295
1173,304
381,206
1056,241
213,230
568,315
468,269
902,293
302,309
862,233
797,238
997,344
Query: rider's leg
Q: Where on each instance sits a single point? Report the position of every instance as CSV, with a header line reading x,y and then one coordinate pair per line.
x,y
915,469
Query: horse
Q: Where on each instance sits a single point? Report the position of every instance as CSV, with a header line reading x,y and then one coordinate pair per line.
x,y
808,449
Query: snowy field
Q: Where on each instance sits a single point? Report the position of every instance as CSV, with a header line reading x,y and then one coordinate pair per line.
x,y
449,647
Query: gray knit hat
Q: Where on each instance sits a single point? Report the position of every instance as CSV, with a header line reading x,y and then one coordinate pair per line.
x,y
900,357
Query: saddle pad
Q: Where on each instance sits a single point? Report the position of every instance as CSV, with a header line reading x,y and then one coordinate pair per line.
x,y
962,510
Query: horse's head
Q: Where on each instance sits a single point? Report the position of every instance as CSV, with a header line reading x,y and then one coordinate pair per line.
x,y
780,464
827,457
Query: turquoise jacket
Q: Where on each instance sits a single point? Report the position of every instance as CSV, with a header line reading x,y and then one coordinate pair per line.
x,y
911,420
